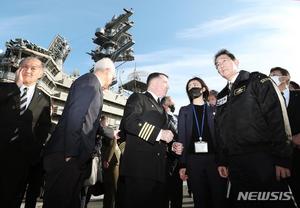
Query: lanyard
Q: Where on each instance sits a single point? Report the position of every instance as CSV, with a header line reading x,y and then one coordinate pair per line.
x,y
197,123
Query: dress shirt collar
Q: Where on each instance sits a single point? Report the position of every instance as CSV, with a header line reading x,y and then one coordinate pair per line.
x,y
29,88
234,78
153,95
286,94
29,94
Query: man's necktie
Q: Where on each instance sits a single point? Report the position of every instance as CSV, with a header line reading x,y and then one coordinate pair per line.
x,y
230,85
158,101
283,98
173,123
23,103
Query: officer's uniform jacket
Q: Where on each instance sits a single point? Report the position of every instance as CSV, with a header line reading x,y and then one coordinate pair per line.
x,y
144,157
249,119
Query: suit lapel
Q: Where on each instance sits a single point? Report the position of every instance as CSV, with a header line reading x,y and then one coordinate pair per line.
x,y
35,99
291,101
210,122
190,118
156,105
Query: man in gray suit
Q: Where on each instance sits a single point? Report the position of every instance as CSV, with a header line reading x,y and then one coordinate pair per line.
x,y
69,151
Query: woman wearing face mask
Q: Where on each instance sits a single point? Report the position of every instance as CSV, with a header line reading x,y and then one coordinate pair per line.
x,y
196,132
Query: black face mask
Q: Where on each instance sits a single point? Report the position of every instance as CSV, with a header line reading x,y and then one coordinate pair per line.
x,y
195,92
172,108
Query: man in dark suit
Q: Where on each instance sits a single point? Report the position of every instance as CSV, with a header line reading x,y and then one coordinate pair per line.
x,y
174,182
143,165
282,77
69,151
24,126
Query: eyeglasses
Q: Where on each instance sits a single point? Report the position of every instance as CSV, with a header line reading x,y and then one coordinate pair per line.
x,y
32,68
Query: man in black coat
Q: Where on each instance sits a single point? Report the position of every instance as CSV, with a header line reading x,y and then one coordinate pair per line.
x,y
143,165
282,77
24,126
253,137
70,148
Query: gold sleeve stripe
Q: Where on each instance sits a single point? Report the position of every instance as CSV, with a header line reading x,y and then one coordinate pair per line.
x,y
149,133
141,131
145,131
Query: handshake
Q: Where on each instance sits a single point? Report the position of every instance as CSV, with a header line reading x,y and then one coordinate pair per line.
x,y
167,136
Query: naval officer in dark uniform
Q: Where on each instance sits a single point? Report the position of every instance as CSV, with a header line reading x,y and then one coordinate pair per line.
x,y
143,165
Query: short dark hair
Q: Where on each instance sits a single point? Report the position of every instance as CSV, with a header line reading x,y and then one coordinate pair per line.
x,y
164,99
283,71
213,93
205,93
154,75
103,117
224,52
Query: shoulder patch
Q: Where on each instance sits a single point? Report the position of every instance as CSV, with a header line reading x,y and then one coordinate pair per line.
x,y
222,101
239,90
264,80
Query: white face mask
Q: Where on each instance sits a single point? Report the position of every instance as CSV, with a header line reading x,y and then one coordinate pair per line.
x,y
276,79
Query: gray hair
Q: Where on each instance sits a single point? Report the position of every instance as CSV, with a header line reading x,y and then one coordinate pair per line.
x,y
104,63
24,60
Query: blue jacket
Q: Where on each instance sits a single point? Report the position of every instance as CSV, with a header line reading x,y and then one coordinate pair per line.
x,y
185,127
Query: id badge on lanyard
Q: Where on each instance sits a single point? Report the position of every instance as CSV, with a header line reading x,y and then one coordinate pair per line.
x,y
200,146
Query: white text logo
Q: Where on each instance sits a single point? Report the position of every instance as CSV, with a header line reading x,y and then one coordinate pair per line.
x,y
264,196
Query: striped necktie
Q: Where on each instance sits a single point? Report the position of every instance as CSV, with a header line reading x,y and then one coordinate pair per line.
x,y
23,101
229,85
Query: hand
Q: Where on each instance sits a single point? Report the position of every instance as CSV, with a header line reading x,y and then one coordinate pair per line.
x,y
116,134
19,77
182,174
105,164
177,147
296,139
282,172
166,135
223,171
68,158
